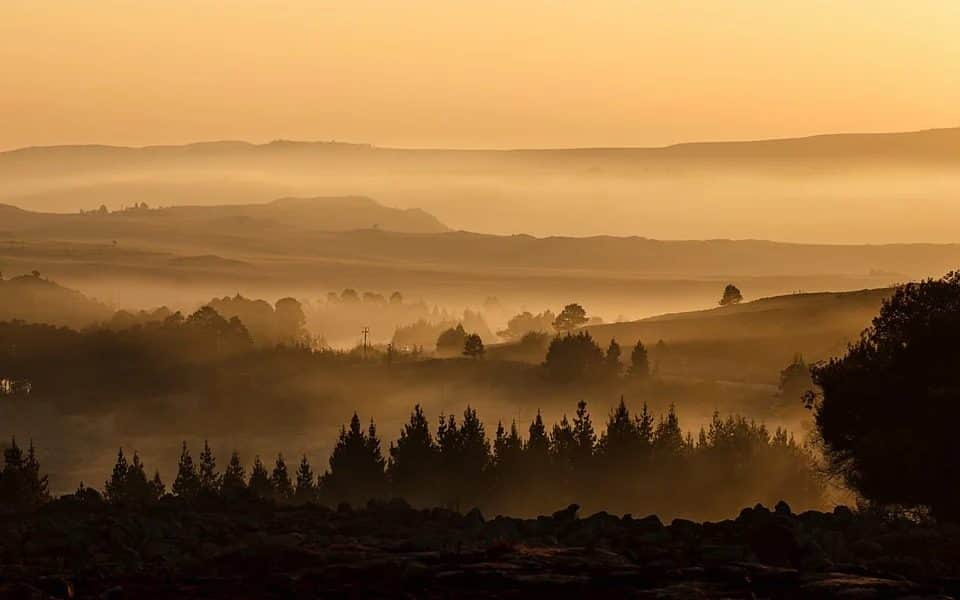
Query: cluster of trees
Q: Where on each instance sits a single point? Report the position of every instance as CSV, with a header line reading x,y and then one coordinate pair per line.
x,y
577,357
889,407
282,323
21,484
636,462
351,296
456,340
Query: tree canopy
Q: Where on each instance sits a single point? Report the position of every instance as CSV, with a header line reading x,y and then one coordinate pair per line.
x,y
889,407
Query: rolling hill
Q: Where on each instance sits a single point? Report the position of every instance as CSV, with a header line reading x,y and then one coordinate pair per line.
x,y
841,188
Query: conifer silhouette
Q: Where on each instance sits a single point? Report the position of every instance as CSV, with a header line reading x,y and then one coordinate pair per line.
x,y
280,479
187,483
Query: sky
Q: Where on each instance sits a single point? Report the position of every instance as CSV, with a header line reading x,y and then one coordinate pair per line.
x,y
477,74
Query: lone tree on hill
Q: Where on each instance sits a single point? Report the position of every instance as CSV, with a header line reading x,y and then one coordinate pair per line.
x,y
889,407
473,346
571,317
731,295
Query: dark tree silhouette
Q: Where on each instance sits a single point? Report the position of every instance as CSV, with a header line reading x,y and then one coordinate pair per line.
x,y
260,484
280,480
187,483
452,341
128,484
731,295
306,490
526,322
233,484
507,453
115,487
473,346
574,357
356,472
584,436
612,357
157,487
413,459
890,405
464,455
209,478
563,443
571,317
668,440
795,379
639,362
290,322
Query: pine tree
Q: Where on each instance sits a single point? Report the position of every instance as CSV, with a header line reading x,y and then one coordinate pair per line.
x,y
507,449
280,479
209,478
537,442
645,426
138,491
668,438
260,484
116,487
612,357
413,460
585,438
356,472
187,483
639,361
622,443
233,483
306,487
38,487
474,444
158,489
562,442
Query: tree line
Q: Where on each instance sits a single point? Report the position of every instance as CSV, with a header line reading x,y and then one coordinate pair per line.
x,y
633,463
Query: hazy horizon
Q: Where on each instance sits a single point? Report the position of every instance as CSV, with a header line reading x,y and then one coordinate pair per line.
x,y
430,74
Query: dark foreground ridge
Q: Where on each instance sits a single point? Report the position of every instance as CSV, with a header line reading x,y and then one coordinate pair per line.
x,y
70,550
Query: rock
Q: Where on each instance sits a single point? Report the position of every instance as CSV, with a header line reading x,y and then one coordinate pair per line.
x,y
720,554
19,590
502,528
843,514
774,542
866,549
782,508
114,593
568,514
648,524
473,519
56,587
685,530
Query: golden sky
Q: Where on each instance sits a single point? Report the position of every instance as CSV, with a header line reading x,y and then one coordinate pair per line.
x,y
464,73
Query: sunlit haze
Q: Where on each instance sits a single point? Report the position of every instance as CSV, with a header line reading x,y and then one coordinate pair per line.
x,y
492,74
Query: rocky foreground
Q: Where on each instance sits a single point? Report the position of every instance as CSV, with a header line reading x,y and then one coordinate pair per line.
x,y
388,549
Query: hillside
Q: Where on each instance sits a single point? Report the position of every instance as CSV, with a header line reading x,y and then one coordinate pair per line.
x,y
38,300
831,188
750,342
284,247
306,214
923,147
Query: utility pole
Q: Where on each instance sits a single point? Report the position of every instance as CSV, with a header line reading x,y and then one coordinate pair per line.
x,y
366,332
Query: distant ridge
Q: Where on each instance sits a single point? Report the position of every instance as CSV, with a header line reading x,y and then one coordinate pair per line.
x,y
328,213
930,139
